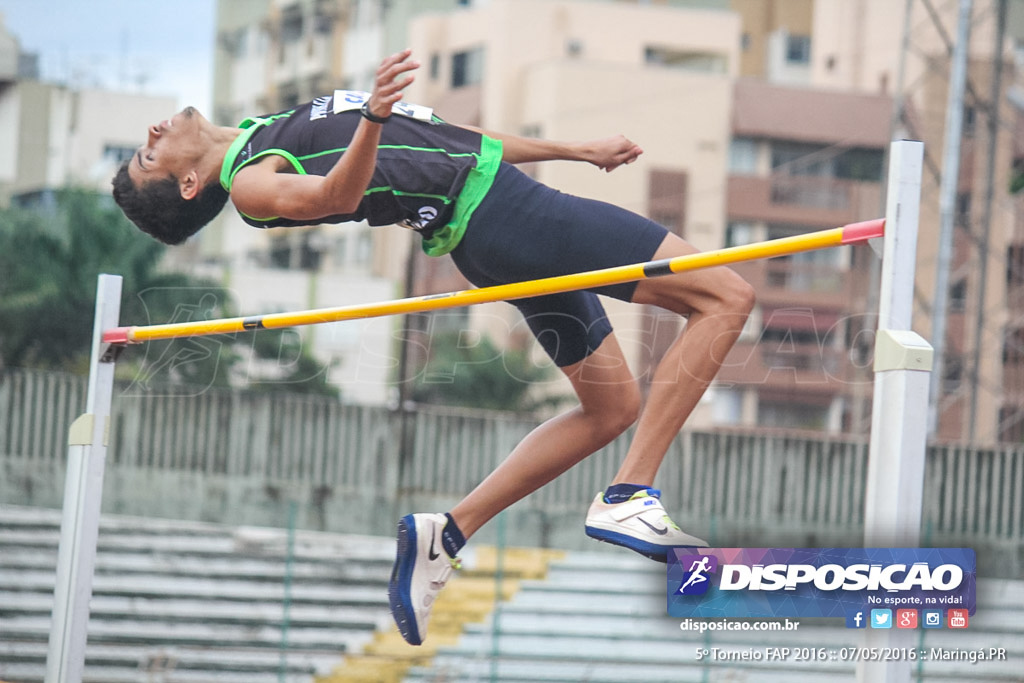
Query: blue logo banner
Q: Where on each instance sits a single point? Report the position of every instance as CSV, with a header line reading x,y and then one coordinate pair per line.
x,y
818,582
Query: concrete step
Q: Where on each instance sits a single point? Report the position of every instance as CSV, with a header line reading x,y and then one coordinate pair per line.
x,y
202,611
181,658
174,587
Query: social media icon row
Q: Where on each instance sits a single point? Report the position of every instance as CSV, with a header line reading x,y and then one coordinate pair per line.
x,y
907,618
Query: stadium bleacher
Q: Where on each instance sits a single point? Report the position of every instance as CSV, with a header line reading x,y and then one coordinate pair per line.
x,y
188,602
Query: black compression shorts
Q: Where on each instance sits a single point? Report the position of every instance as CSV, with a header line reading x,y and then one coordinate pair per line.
x,y
524,230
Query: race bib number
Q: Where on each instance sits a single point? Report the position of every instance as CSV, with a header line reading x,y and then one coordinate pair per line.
x,y
347,100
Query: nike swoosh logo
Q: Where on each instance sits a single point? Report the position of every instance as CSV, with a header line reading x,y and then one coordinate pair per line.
x,y
431,555
661,532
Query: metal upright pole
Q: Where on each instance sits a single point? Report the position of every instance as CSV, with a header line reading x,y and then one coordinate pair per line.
x,y
947,204
83,492
986,219
892,510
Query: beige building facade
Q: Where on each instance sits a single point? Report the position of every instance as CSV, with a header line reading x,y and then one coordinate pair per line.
x,y
665,82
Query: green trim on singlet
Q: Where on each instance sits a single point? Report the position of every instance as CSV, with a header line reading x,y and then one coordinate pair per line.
x,y
478,184
342,150
248,126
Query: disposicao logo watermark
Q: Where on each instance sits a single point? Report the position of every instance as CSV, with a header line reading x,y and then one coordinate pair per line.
x,y
819,582
696,579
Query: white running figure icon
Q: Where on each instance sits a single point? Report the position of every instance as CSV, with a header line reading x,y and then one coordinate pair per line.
x,y
697,569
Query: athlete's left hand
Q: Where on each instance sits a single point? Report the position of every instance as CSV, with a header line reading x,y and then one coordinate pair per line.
x,y
610,153
393,75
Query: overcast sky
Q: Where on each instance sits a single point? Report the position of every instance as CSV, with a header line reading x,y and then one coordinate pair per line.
x,y
162,48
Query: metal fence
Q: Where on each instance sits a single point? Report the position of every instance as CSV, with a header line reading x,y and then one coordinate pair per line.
x,y
748,483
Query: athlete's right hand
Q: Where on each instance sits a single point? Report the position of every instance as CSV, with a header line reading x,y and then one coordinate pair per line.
x,y
393,76
610,153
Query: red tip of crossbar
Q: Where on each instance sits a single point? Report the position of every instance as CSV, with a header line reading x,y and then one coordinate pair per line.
x,y
865,230
117,335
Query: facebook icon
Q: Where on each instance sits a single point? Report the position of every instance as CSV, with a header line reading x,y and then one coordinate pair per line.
x,y
856,619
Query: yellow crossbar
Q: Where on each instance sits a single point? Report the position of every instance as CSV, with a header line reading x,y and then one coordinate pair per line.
x,y
848,234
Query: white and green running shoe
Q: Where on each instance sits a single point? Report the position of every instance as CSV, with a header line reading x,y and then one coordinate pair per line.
x,y
422,568
640,524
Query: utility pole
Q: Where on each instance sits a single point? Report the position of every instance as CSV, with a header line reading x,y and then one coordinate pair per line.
x,y
947,205
992,129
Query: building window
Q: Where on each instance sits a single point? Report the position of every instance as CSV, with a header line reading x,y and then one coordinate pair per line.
x,y
118,154
791,415
745,42
798,49
738,233
311,250
364,248
435,66
963,209
970,121
958,296
666,199
953,375
291,25
798,158
340,251
1011,423
531,130
860,163
743,156
686,60
1013,347
280,252
467,67
1015,265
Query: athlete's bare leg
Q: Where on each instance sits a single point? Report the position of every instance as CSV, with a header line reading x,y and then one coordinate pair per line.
x,y
716,302
609,404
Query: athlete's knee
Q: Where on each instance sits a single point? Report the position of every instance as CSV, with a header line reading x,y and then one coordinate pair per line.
x,y
610,418
737,295
623,415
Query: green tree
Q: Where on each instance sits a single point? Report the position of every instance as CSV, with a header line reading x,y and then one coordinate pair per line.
x,y
50,259
479,375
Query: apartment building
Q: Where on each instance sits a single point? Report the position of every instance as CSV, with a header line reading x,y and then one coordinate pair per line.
x,y
533,67
759,118
801,160
665,81
902,50
52,136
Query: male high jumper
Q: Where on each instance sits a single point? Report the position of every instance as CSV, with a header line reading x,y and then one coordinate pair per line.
x,y
350,157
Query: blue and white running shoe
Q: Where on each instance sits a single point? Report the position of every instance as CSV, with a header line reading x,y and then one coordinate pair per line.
x,y
640,524
422,568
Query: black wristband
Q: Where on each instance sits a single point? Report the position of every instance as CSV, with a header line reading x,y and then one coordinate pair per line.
x,y
370,116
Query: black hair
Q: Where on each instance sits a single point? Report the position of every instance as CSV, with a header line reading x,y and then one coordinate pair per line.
x,y
158,209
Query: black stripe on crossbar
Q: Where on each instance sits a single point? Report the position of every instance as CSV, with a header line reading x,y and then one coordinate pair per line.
x,y
658,268
252,324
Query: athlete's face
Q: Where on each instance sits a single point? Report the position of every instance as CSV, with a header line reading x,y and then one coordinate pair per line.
x,y
171,146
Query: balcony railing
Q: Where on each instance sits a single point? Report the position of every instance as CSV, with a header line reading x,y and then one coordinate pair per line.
x,y
803,199
785,283
810,191
813,367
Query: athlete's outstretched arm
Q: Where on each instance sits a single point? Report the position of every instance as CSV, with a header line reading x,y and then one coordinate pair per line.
x,y
261,191
606,153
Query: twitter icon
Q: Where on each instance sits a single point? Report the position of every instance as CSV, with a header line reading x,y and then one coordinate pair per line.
x,y
881,618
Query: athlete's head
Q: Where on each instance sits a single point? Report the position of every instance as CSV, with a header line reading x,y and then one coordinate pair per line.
x,y
160,187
